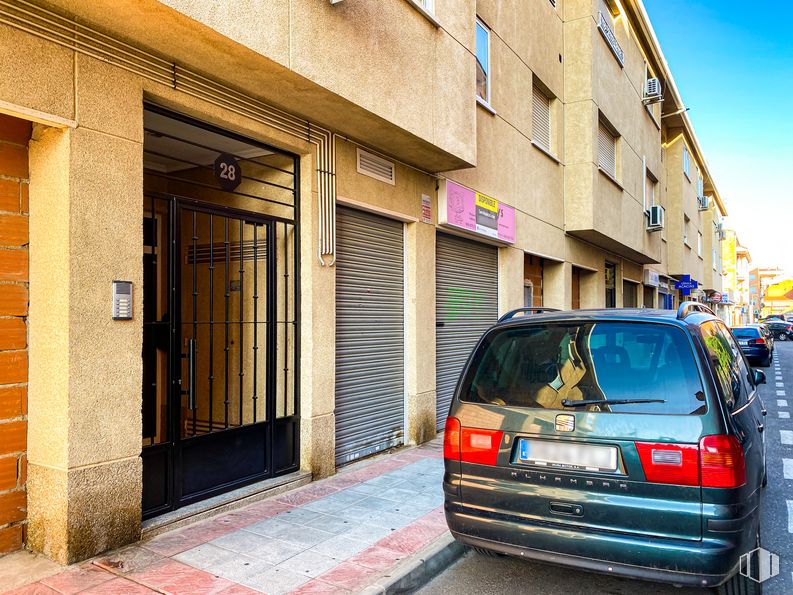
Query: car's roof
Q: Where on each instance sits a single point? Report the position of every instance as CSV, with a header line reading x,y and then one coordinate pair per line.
x,y
612,314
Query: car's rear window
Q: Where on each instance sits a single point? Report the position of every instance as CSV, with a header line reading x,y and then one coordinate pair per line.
x,y
746,333
541,365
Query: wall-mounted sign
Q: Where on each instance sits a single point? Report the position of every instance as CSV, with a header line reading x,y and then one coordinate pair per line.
x,y
715,296
475,212
651,278
227,172
686,284
426,209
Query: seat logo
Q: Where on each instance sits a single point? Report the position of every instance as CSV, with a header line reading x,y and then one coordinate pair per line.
x,y
565,422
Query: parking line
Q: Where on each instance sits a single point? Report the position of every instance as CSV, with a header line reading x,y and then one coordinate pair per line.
x,y
780,393
786,436
780,385
790,516
784,415
787,468
781,402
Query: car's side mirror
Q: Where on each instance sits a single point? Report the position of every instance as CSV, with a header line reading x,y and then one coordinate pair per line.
x,y
759,377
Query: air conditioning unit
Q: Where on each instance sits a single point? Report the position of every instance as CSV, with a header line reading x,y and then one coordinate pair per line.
x,y
703,202
655,218
720,232
652,91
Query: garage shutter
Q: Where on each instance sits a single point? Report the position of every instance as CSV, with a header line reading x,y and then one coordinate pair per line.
x,y
467,305
370,350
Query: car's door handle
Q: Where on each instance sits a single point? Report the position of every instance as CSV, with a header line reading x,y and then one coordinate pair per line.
x,y
760,428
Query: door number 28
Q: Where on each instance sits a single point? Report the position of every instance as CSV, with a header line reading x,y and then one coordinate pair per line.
x,y
227,172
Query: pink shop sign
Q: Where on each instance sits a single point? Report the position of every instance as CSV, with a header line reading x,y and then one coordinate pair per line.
x,y
477,213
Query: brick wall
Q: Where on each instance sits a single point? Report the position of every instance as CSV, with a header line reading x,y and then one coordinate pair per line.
x,y
14,180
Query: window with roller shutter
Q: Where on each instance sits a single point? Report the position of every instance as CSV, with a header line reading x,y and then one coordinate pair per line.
x,y
541,119
607,150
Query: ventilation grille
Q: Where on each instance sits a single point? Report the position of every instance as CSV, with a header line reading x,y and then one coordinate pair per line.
x,y
375,167
216,253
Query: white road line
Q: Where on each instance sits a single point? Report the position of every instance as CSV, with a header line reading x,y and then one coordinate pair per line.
x,y
778,377
781,402
786,436
787,468
790,516
784,415
780,393
780,385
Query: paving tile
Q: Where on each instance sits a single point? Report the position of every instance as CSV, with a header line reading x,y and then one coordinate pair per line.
x,y
271,527
289,532
271,550
276,580
128,559
332,524
33,589
238,590
171,543
298,515
384,481
412,538
118,586
309,563
78,578
263,509
366,489
240,569
377,503
206,556
306,495
340,547
349,576
378,558
318,587
368,533
176,578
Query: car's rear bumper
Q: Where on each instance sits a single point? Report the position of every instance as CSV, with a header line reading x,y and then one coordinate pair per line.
x,y
705,563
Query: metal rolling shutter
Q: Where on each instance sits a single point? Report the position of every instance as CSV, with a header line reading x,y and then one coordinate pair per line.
x,y
466,305
541,119
370,348
607,150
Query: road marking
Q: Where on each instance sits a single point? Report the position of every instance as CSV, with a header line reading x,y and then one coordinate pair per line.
x,y
781,402
778,377
787,436
780,393
784,415
787,469
780,385
790,516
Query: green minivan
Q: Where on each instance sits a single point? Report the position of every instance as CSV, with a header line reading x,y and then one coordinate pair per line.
x,y
622,441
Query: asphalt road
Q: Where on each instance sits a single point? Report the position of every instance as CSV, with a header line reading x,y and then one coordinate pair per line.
x,y
482,575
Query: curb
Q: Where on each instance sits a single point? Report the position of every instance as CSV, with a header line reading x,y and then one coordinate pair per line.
x,y
421,568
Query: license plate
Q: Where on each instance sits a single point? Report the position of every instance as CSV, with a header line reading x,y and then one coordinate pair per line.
x,y
567,455
745,343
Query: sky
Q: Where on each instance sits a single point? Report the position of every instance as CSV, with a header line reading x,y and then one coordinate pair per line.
x,y
733,65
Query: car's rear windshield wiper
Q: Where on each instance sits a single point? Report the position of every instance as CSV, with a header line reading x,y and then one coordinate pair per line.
x,y
569,403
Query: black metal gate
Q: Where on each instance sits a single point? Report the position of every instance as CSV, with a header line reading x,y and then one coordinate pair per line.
x,y
220,407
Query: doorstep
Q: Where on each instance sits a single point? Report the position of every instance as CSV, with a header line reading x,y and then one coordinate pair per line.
x,y
223,503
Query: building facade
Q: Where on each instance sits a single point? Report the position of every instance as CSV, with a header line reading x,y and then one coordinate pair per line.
x,y
262,240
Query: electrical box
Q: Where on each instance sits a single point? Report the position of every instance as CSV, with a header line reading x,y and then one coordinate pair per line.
x,y
122,300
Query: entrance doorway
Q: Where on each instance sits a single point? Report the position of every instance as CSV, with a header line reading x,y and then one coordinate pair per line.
x,y
220,319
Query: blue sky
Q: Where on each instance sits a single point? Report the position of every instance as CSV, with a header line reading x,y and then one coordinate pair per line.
x,y
733,66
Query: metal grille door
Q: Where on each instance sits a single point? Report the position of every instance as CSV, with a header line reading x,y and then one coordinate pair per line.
x,y
466,281
370,348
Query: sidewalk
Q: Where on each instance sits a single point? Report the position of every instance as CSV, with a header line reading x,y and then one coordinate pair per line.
x,y
344,534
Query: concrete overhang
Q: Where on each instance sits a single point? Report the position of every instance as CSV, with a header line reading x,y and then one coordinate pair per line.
x,y
151,26
603,241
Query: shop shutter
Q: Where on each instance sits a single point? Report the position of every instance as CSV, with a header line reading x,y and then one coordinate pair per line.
x,y
466,305
370,348
607,150
541,119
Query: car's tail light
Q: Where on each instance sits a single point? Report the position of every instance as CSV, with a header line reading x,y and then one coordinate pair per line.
x,y
760,341
480,446
451,439
669,463
721,462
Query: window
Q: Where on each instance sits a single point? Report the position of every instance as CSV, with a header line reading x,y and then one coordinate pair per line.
x,y
700,185
607,150
686,223
699,244
649,190
540,365
686,163
727,361
482,62
541,118
611,285
630,294
715,260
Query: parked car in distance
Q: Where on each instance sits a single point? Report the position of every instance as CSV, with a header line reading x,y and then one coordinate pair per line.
x,y
754,344
769,336
614,440
782,331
